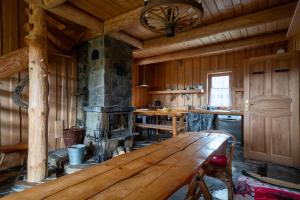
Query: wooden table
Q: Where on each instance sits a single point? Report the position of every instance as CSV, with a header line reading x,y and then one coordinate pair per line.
x,y
153,172
175,128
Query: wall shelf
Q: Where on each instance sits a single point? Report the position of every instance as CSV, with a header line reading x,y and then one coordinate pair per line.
x,y
194,91
158,126
239,89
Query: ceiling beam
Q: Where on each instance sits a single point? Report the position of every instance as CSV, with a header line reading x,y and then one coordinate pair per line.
x,y
50,3
294,28
59,39
75,15
90,34
78,17
265,16
13,62
128,39
215,49
122,22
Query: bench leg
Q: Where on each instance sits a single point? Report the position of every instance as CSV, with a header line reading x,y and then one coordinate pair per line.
x,y
204,189
197,187
193,189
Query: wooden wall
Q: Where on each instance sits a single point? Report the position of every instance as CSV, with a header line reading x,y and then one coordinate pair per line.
x,y
140,96
294,43
62,78
191,72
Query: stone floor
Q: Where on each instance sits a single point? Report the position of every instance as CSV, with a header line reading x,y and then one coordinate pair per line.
x,y
218,188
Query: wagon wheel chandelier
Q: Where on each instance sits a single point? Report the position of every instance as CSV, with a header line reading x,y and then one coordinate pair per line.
x,y
171,16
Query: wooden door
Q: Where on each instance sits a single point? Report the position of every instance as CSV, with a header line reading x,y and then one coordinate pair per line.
x,y
271,122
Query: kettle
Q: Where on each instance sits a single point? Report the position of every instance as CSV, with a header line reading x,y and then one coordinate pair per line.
x,y
157,103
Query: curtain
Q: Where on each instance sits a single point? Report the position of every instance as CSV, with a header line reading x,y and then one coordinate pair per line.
x,y
199,122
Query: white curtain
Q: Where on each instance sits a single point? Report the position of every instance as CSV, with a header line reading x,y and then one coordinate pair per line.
x,y
220,91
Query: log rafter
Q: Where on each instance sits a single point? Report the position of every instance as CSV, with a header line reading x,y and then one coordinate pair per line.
x,y
50,3
116,25
13,62
77,16
215,49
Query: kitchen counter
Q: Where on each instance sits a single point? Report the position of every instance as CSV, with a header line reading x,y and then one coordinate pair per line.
x,y
214,112
178,112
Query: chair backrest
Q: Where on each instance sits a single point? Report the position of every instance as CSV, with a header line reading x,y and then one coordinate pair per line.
x,y
231,150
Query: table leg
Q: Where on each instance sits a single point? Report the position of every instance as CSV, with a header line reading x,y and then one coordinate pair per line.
x,y
181,122
133,122
156,129
242,130
174,125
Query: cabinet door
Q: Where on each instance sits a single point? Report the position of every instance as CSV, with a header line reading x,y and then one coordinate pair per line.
x,y
271,121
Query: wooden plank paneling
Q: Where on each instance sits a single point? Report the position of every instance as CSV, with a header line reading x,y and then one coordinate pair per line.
x,y
10,118
140,96
52,68
13,119
294,44
193,71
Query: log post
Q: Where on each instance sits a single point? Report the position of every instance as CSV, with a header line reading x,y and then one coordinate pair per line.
x,y
38,95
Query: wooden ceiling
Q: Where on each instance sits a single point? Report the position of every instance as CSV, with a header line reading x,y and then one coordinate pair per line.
x,y
120,19
106,9
216,11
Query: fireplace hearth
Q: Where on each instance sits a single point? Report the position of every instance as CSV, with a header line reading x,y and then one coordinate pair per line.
x,y
104,106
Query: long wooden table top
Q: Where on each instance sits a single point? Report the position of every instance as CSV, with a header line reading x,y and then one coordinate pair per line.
x,y
153,172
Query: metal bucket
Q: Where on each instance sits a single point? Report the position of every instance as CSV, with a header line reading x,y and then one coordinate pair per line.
x,y
76,154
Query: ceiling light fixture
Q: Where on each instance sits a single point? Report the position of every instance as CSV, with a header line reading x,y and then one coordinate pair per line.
x,y
171,16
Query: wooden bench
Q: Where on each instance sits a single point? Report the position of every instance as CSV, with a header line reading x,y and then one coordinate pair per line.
x,y
153,172
11,149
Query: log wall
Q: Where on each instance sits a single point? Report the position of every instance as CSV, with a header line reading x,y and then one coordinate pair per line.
x,y
62,80
180,74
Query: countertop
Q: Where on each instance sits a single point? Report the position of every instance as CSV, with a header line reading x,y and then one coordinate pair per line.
x,y
183,111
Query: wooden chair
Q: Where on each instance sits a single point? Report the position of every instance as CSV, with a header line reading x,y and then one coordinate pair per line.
x,y
214,168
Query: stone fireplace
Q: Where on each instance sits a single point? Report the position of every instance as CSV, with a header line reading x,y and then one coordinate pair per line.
x,y
104,97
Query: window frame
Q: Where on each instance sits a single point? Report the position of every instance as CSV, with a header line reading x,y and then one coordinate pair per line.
x,y
216,74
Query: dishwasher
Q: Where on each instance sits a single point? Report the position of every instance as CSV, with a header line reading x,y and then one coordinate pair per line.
x,y
231,124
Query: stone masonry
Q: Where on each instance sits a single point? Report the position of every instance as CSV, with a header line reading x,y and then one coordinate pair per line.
x,y
104,73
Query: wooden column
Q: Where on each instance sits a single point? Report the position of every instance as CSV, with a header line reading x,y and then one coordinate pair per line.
x,y
38,95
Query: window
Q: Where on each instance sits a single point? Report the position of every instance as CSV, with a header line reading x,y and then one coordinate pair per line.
x,y
219,90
